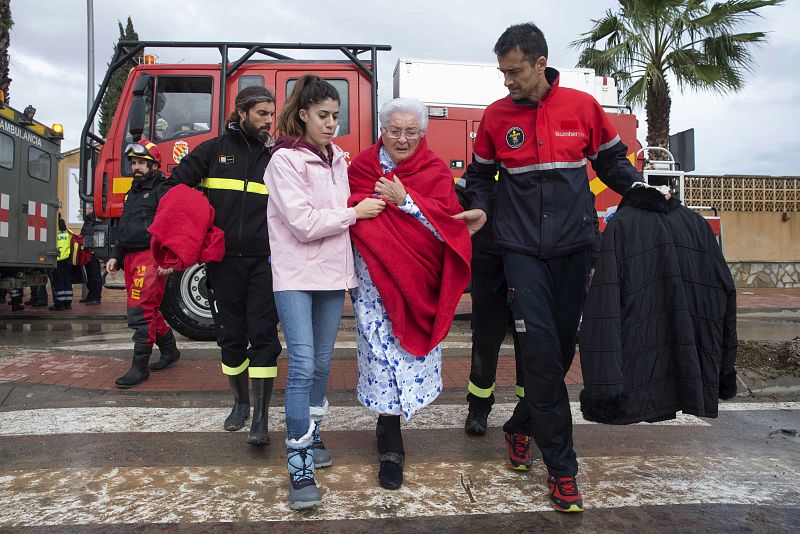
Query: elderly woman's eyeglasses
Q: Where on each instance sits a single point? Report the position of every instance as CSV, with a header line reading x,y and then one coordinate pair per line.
x,y
396,133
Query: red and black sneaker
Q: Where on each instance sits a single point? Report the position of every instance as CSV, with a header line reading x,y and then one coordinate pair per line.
x,y
564,494
519,451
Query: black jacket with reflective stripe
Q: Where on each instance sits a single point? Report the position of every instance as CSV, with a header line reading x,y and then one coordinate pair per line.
x,y
138,213
231,170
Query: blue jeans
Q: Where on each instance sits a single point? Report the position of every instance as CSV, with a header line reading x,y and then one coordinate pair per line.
x,y
310,321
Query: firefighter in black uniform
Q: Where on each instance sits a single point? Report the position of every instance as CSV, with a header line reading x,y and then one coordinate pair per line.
x,y
230,169
490,320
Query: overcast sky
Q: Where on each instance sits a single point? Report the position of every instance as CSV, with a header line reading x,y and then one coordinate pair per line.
x,y
754,132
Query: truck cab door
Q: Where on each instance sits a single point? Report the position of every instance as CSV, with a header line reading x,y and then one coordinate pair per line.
x,y
38,202
176,110
10,201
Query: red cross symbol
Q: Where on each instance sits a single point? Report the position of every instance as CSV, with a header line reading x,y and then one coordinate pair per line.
x,y
5,201
37,221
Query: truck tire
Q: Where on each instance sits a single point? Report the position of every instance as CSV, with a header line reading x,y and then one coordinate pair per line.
x,y
185,305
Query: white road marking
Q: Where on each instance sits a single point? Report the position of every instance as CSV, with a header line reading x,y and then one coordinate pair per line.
x,y
145,495
203,345
104,420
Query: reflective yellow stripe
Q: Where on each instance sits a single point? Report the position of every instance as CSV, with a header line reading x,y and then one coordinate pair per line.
x,y
263,372
121,185
234,371
520,392
235,185
480,392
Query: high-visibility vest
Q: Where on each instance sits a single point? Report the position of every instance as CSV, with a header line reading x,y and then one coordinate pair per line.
x,y
63,241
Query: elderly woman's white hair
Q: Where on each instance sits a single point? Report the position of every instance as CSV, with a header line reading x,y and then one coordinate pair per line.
x,y
404,105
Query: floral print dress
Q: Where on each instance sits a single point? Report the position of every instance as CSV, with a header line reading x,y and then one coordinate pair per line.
x,y
391,380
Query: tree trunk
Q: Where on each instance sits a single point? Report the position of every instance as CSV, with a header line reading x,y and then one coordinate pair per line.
x,y
658,108
6,22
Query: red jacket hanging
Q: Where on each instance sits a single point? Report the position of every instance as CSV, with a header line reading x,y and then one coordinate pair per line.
x,y
183,231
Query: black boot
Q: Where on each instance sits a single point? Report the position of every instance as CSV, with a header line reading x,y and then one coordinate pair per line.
x,y
477,419
390,450
241,402
262,392
169,352
138,372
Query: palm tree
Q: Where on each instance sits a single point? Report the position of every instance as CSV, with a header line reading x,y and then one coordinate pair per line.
x,y
648,43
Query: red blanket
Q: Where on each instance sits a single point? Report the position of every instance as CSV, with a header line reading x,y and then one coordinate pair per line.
x,y
183,232
419,278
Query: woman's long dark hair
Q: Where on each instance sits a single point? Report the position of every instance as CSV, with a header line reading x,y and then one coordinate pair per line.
x,y
308,90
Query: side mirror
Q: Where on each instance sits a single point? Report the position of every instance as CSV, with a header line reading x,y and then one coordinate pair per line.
x,y
138,107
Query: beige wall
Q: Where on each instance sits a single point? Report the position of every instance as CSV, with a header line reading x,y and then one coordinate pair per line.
x,y
749,236
69,159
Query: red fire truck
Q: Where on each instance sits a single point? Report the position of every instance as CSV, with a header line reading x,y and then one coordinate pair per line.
x,y
179,106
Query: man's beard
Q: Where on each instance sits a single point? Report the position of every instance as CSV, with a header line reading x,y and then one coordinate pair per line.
x,y
250,129
139,176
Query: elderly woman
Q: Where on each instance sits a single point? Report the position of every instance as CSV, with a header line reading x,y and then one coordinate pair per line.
x,y
412,264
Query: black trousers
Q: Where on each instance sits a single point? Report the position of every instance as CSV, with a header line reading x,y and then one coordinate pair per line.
x,y
94,279
243,306
61,282
490,320
547,300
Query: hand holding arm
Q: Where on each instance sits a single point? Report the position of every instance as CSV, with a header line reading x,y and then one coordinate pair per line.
x,y
369,208
474,219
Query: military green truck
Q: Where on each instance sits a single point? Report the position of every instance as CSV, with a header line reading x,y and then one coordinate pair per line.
x,y
29,155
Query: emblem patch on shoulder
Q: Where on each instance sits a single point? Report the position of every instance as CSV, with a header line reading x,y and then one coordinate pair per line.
x,y
515,137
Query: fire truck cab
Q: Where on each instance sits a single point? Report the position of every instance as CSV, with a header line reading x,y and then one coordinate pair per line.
x,y
178,106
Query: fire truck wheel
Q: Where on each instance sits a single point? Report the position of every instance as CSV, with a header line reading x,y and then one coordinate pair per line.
x,y
185,305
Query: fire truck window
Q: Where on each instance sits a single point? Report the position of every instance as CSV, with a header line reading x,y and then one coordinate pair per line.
x,y
39,164
6,151
247,81
342,87
146,131
186,109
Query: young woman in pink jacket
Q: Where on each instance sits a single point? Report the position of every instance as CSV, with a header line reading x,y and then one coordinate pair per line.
x,y
312,265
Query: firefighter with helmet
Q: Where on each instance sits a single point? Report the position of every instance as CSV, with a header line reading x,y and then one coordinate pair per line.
x,y
144,280
230,168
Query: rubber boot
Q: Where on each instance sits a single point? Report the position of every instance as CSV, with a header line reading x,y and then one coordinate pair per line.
x,y
138,372
169,352
303,490
241,402
262,393
391,453
477,419
322,457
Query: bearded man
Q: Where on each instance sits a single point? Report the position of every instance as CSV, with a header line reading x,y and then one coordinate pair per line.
x,y
230,168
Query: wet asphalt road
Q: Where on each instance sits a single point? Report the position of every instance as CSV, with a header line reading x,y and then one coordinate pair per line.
x,y
87,461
